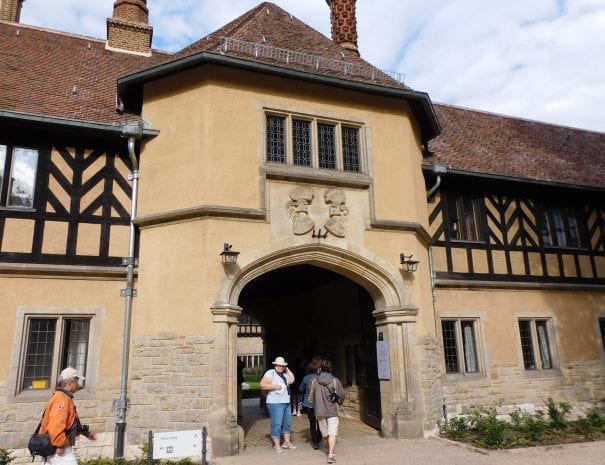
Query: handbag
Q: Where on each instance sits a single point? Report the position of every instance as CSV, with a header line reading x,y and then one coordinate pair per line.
x,y
39,444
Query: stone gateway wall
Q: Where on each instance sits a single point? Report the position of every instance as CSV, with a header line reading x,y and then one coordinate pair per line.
x,y
171,388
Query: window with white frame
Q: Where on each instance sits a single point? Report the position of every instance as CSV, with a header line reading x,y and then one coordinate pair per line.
x,y
18,166
313,142
51,344
536,344
460,345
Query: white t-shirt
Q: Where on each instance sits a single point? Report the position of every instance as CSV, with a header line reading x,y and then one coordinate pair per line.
x,y
279,396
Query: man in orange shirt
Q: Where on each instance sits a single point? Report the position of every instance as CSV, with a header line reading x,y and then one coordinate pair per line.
x,y
61,420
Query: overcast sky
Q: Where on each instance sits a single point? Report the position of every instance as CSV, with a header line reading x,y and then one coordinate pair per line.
x,y
536,59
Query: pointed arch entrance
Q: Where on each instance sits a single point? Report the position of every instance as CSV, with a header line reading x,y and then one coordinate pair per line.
x,y
340,279
309,311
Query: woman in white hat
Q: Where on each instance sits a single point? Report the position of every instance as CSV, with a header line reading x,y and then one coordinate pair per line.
x,y
276,382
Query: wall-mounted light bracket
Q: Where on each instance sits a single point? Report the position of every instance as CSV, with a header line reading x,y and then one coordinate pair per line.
x,y
228,256
409,265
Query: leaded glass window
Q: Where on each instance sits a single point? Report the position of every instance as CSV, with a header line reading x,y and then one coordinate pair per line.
x,y
536,344
276,133
350,149
327,146
459,343
53,344
301,141
306,141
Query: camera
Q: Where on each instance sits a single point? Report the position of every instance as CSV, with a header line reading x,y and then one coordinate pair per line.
x,y
334,398
84,430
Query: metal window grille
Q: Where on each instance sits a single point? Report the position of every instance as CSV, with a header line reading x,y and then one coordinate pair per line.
x,y
301,141
527,346
39,353
450,346
326,146
276,148
350,149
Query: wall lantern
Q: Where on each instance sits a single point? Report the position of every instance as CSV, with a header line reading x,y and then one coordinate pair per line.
x,y
228,256
409,265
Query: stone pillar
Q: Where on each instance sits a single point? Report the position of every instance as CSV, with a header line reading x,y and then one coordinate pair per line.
x,y
401,396
223,428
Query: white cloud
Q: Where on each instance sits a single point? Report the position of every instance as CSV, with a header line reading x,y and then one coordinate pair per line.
x,y
536,59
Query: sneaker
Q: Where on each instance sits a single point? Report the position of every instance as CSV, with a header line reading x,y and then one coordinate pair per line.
x,y
277,449
288,445
331,459
315,446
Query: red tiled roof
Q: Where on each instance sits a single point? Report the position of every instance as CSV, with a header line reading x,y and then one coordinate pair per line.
x,y
501,145
268,25
62,75
66,76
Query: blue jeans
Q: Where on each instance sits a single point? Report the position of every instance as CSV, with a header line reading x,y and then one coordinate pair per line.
x,y
280,419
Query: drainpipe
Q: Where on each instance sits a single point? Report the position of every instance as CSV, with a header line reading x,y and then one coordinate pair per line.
x,y
438,170
134,132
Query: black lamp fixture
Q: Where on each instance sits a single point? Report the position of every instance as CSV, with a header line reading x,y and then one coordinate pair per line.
x,y
228,256
409,265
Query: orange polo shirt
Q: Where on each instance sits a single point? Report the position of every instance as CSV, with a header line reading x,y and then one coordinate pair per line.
x,y
59,417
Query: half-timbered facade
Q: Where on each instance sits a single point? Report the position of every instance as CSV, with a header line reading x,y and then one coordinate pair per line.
x,y
267,142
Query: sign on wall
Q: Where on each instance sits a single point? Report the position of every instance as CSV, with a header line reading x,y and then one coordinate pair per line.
x,y
177,444
383,361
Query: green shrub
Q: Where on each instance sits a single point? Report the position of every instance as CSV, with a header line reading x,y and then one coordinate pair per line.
x,y
557,413
5,457
455,429
490,429
532,425
594,418
253,374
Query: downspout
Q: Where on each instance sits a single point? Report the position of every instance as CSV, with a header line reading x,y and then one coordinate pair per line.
x,y
438,170
134,132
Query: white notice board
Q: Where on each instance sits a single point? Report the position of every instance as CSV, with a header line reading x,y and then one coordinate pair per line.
x,y
177,444
382,357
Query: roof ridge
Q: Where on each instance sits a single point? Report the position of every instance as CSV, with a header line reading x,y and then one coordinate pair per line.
x,y
228,28
516,118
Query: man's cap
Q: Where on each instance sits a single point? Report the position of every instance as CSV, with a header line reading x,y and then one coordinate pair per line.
x,y
69,373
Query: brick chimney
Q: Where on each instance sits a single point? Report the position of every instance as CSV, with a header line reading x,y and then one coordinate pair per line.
x,y
10,10
128,30
344,23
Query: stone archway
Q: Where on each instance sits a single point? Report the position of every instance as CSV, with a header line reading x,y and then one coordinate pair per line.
x,y
394,313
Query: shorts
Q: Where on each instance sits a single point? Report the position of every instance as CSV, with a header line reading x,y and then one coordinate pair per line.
x,y
328,426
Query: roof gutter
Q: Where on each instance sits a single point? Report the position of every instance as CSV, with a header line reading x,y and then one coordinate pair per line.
x,y
69,123
130,86
504,178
